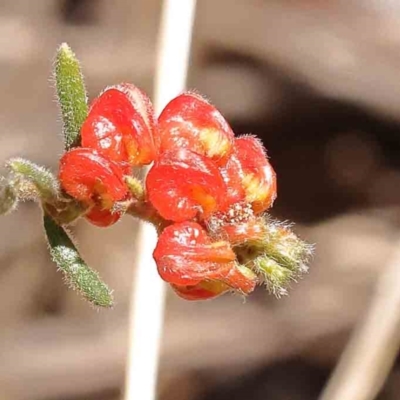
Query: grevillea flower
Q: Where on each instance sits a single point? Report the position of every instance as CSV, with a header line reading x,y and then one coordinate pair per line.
x,y
259,179
120,126
189,121
182,185
93,180
186,256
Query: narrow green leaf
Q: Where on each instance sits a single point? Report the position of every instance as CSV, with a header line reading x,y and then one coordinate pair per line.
x,y
71,95
77,273
8,198
34,179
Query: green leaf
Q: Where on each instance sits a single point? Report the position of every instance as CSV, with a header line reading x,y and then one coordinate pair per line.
x,y
35,182
77,273
71,95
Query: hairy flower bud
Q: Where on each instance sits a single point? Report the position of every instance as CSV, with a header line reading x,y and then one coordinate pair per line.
x,y
120,126
248,232
189,121
186,255
278,256
259,179
91,179
286,248
182,184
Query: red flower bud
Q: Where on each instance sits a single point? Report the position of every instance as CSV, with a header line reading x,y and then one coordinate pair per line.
x,y
92,179
102,218
186,255
202,291
250,231
120,126
189,121
182,184
233,175
259,180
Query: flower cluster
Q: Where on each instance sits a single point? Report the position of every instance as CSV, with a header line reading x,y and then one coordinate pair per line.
x,y
116,136
207,192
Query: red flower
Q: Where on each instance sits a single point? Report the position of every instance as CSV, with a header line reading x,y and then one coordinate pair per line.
x,y
93,180
232,174
120,126
102,218
211,185
189,121
238,226
186,256
259,179
182,185
202,291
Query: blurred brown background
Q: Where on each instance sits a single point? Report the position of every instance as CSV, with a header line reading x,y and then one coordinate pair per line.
x,y
320,82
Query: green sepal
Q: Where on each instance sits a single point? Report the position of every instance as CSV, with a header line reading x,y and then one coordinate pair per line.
x,y
279,257
78,275
33,181
71,94
286,248
276,277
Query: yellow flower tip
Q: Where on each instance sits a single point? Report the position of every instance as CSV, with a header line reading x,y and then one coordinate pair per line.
x,y
215,143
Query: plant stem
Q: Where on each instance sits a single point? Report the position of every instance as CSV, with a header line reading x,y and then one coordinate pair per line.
x,y
148,296
372,350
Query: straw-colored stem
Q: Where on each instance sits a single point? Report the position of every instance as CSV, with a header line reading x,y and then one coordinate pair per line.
x,y
372,350
148,296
